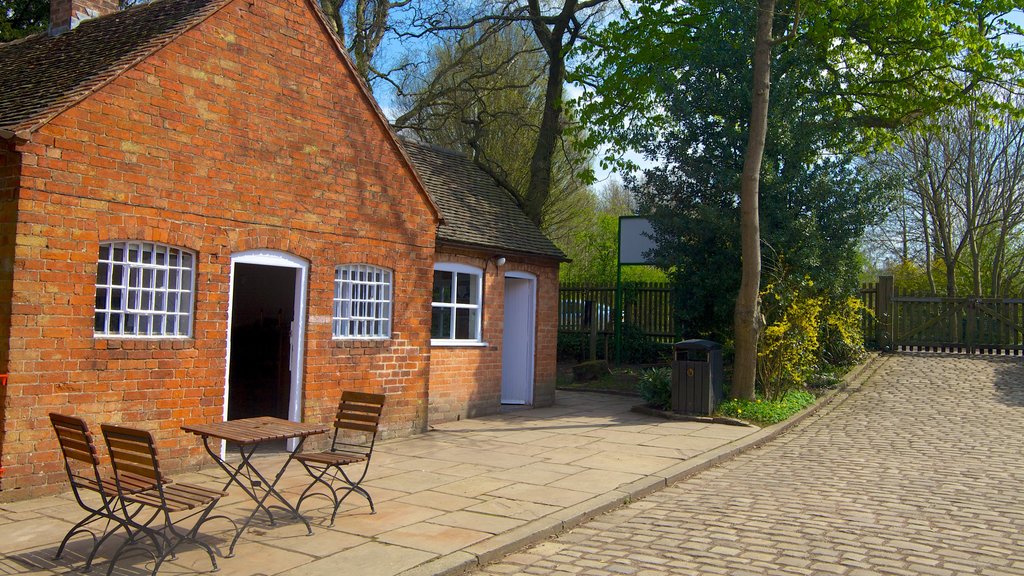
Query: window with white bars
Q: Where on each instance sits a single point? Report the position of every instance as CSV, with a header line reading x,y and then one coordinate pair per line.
x,y
362,301
144,289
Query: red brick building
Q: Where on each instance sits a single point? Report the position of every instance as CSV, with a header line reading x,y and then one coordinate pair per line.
x,y
204,214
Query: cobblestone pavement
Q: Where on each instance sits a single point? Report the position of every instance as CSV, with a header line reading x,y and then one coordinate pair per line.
x,y
919,471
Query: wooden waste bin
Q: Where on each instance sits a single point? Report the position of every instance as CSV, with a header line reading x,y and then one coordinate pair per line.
x,y
697,377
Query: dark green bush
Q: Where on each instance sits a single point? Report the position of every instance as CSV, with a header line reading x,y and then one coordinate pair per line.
x,y
639,348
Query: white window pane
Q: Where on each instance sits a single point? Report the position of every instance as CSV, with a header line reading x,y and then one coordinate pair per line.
x,y
357,290
137,290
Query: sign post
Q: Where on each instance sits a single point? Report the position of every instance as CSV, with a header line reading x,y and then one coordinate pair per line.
x,y
636,242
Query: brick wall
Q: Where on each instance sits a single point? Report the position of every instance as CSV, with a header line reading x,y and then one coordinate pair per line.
x,y
465,381
10,167
246,132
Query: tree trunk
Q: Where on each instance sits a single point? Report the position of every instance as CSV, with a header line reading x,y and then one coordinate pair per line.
x,y
539,187
747,314
927,248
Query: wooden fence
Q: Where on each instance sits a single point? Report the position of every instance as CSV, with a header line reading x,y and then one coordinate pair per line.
x,y
925,323
647,307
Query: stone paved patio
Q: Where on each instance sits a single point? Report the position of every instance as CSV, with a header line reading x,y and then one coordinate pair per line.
x,y
463,493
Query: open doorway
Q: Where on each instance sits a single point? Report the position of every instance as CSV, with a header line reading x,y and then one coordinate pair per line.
x,y
262,314
266,335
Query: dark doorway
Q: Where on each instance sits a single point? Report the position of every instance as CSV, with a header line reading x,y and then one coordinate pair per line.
x,y
262,311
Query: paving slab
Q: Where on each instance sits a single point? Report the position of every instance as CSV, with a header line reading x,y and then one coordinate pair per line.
x,y
463,493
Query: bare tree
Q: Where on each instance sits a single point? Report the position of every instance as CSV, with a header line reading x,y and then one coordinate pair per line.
x,y
555,30
362,25
967,179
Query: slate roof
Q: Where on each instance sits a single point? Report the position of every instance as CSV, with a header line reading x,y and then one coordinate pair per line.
x,y
43,75
476,211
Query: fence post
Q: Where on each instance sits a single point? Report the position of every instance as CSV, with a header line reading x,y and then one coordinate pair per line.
x,y
883,312
593,318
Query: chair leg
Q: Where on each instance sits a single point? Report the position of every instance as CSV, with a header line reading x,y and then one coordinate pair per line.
x,y
356,486
318,478
190,536
76,529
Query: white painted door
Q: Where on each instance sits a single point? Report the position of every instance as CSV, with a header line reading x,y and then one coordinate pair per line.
x,y
518,341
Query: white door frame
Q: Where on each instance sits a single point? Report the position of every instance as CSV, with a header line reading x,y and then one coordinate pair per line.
x,y
266,257
531,316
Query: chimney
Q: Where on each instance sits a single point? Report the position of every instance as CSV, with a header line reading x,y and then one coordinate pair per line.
x,y
66,14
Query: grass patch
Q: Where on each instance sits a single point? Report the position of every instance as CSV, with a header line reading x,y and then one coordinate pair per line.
x,y
765,412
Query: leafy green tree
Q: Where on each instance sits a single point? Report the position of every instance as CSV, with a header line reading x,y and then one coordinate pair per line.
x,y
815,206
592,241
875,66
19,18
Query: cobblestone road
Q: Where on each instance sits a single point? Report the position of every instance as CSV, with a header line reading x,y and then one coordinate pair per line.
x,y
918,472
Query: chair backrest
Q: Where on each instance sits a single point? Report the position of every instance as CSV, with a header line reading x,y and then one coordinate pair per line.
x,y
81,461
132,454
358,412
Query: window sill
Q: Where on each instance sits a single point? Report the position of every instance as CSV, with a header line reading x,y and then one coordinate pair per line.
x,y
458,343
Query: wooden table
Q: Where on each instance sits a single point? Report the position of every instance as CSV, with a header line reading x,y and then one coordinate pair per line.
x,y
248,434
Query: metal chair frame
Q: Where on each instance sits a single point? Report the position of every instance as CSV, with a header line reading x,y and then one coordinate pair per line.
x,y
82,464
133,455
358,415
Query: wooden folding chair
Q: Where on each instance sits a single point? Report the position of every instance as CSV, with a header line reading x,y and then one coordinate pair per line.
x,y
82,464
355,432
133,456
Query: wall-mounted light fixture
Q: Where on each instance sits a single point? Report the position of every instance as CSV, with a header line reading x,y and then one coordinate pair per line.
x,y
499,261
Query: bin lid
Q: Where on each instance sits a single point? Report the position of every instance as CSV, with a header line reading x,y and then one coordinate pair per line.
x,y
697,344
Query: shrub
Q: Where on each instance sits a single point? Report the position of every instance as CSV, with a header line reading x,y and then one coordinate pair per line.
x,y
655,387
639,348
765,412
842,334
573,346
789,347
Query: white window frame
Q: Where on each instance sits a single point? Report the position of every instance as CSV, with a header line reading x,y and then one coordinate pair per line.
x,y
478,276
363,300
142,294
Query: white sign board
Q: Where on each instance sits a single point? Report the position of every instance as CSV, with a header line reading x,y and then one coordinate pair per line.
x,y
636,238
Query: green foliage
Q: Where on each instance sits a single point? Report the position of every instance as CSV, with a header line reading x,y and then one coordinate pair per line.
x,y
575,346
672,80
655,387
638,348
590,239
766,412
19,18
814,205
842,332
788,349
807,331
868,65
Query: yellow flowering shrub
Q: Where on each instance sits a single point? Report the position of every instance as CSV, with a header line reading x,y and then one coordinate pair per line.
x,y
842,339
789,348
